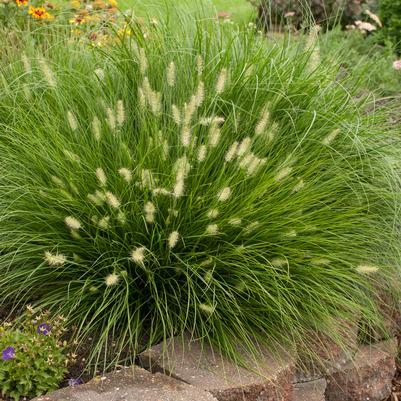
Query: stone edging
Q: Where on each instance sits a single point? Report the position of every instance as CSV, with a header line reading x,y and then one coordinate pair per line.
x,y
185,371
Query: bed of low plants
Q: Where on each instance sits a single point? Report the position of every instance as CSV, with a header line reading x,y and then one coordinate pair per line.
x,y
188,175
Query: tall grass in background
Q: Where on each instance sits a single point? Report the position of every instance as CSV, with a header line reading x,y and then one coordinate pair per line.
x,y
197,178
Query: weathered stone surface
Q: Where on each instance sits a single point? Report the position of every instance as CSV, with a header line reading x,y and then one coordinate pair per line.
x,y
323,356
133,384
310,391
368,377
270,378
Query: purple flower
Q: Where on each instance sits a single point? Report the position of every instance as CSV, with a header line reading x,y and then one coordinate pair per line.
x,y
8,354
43,329
74,382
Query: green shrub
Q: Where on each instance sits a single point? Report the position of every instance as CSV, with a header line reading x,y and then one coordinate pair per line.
x,y
197,178
32,360
300,12
390,14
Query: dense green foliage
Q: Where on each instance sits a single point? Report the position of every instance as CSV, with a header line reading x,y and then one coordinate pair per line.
x,y
366,63
301,12
194,177
32,360
390,14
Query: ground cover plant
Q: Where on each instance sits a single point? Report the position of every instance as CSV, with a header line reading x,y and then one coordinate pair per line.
x,y
32,358
390,13
194,177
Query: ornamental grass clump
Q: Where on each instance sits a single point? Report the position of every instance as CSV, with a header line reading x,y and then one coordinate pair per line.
x,y
200,179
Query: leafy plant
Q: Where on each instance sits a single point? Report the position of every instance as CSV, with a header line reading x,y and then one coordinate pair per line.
x,y
301,12
32,360
197,178
390,13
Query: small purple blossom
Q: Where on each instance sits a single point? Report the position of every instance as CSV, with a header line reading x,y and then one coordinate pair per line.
x,y
8,354
74,382
43,329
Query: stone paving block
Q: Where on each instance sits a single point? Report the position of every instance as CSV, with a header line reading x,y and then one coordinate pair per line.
x,y
368,377
132,384
324,356
310,391
268,379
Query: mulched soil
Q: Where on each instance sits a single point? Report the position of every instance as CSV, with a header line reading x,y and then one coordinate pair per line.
x,y
396,390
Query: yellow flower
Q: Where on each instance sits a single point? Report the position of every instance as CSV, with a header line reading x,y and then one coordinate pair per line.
x,y
124,32
113,3
40,13
76,4
21,2
76,32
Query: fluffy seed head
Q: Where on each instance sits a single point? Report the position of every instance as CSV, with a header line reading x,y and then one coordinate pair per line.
x,y
231,152
96,130
47,73
72,223
199,64
263,121
125,173
176,114
72,121
26,63
71,155
279,262
186,136
214,135
299,186
143,61
179,187
141,98
111,279
251,227
138,255
99,72
224,194
182,166
101,176
150,211
171,74
235,221
212,229
120,113
200,94
111,119
221,81
173,239
95,200
244,146
202,153
58,181
160,191
121,217
147,179
112,200
209,309
103,223
331,137
367,269
283,173
212,213
57,259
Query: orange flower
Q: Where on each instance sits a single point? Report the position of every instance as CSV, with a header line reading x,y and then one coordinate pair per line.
x,y
21,2
39,13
